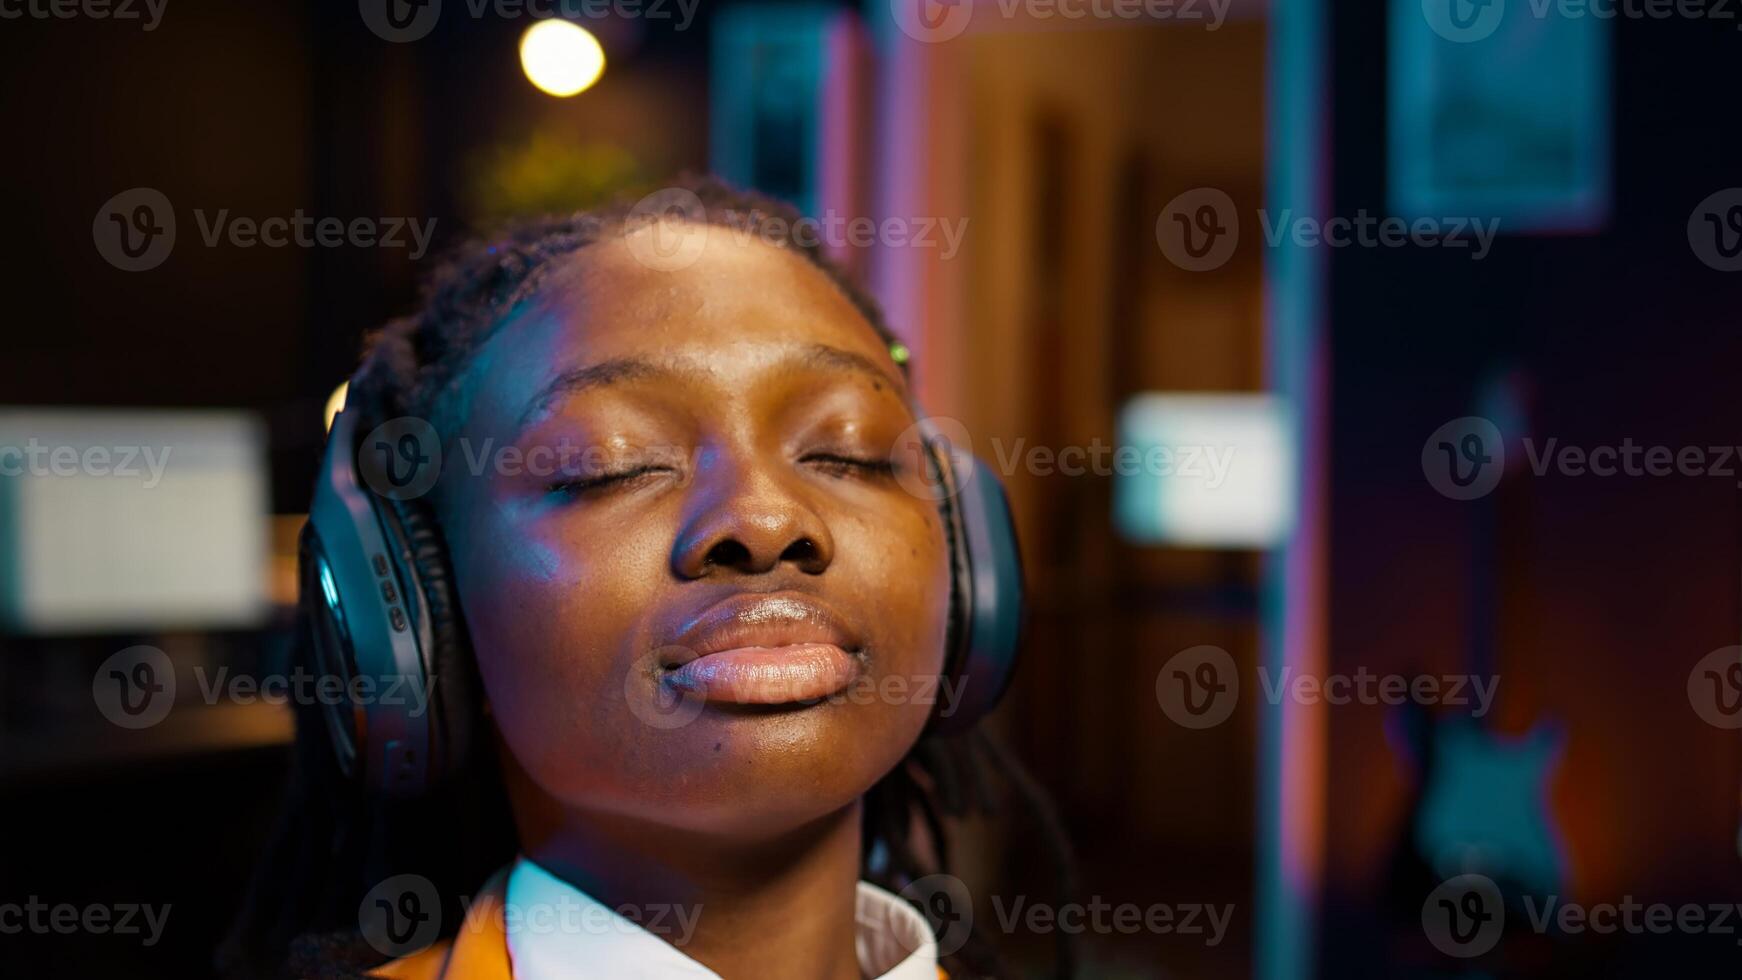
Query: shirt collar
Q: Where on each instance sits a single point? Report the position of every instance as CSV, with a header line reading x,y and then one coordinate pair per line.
x,y
558,932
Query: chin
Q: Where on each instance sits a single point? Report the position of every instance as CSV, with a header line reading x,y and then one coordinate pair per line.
x,y
761,773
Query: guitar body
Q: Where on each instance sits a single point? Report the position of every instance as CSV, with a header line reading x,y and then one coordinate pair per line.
x,y
1484,806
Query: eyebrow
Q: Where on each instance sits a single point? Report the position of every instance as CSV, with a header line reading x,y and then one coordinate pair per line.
x,y
602,374
836,359
623,369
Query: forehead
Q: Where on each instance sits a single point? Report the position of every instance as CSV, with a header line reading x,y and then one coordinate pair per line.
x,y
731,305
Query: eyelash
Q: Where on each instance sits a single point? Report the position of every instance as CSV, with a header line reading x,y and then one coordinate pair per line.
x,y
581,486
829,461
835,461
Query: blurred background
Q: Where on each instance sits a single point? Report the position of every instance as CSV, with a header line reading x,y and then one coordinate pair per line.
x,y
1364,377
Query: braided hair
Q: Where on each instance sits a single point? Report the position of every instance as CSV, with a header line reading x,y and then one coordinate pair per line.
x,y
333,840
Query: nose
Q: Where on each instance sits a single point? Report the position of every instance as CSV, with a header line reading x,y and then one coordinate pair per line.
x,y
751,520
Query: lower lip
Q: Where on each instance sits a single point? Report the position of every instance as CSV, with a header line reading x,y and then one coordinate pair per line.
x,y
768,675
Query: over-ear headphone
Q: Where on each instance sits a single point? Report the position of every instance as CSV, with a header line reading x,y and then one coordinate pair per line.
x,y
384,616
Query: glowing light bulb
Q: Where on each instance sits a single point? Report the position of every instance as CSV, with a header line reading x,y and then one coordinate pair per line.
x,y
561,57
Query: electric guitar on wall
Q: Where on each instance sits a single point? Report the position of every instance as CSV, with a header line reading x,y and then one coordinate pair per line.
x,y
1482,796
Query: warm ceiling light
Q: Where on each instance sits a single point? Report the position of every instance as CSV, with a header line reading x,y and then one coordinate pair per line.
x,y
561,57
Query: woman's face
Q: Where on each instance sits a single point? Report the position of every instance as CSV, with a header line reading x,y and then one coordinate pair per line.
x,y
699,597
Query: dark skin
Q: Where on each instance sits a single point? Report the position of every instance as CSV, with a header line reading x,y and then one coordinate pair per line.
x,y
746,418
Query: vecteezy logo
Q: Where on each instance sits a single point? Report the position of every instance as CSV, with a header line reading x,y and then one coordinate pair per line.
x,y
410,450
135,688
1464,458
401,915
947,905
652,700
1722,243
1198,230
400,21
1463,21
401,459
1198,687
135,230
667,230
932,21
1715,688
1715,230
1464,916
925,448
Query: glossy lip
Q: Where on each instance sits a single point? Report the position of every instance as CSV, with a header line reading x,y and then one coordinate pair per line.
x,y
766,648
762,619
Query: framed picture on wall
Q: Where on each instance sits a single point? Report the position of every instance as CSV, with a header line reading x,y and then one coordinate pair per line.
x,y
1498,110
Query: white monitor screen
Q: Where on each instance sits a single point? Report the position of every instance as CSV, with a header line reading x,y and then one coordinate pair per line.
x,y
1207,470
122,520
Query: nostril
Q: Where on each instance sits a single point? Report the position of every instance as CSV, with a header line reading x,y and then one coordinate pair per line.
x,y
801,552
729,553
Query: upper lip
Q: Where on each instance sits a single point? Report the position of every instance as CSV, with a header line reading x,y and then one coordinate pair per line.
x,y
762,619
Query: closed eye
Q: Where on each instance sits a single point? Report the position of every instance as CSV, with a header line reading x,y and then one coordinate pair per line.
x,y
843,465
579,486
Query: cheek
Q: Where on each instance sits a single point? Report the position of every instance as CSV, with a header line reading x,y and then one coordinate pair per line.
x,y
552,624
900,571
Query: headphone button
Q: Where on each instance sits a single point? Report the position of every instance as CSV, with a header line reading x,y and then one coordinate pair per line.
x,y
389,593
380,565
397,617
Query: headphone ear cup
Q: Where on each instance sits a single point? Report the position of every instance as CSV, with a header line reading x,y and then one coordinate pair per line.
x,y
987,603
448,705
385,625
